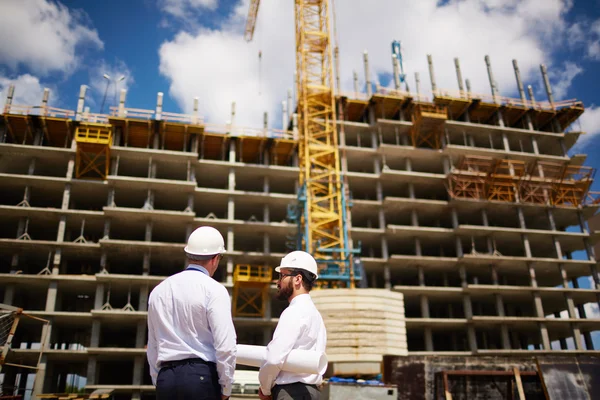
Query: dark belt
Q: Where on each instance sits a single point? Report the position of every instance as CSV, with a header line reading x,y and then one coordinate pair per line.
x,y
297,383
169,364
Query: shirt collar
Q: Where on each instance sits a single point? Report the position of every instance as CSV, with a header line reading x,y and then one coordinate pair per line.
x,y
300,298
197,267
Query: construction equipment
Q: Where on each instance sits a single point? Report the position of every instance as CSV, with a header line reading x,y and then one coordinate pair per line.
x,y
399,75
323,212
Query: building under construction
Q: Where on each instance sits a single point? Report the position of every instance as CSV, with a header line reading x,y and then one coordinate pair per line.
x,y
460,205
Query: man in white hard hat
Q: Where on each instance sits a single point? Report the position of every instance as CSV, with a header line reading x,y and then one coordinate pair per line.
x,y
300,327
191,338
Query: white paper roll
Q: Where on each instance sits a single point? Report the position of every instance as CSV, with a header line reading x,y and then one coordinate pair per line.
x,y
299,361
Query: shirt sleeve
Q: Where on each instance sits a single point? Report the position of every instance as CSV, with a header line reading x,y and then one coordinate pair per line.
x,y
224,337
152,350
286,334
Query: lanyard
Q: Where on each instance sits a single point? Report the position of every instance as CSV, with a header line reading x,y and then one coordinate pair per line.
x,y
199,269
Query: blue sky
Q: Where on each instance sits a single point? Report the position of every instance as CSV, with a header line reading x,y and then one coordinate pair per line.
x,y
188,48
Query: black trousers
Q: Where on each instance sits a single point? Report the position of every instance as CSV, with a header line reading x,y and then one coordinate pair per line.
x,y
295,391
188,379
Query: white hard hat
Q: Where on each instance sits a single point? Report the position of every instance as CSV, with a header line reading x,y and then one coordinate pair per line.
x,y
299,260
205,241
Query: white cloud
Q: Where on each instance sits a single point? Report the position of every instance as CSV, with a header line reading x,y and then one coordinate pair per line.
x,y
563,78
28,91
591,310
179,8
99,85
43,35
219,67
593,44
590,124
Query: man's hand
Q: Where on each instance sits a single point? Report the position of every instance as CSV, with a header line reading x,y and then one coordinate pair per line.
x,y
223,397
262,396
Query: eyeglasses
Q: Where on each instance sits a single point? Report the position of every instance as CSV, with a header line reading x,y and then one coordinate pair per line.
x,y
281,276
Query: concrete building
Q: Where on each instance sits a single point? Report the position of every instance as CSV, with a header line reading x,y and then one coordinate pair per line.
x,y
460,202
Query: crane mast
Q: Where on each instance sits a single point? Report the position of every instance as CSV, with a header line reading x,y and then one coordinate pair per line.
x,y
323,211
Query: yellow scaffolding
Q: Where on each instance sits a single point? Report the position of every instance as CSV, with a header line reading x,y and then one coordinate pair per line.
x,y
251,290
93,150
318,143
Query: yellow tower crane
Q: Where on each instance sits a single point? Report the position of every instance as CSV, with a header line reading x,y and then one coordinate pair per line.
x,y
324,215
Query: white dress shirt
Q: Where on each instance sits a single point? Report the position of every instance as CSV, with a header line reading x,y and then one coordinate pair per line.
x,y
300,327
189,316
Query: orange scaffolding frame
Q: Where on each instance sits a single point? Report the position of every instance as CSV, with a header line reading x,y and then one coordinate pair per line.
x,y
428,122
538,182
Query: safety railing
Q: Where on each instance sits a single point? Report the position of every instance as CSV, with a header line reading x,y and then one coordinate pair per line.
x,y
46,111
508,101
234,130
402,93
136,113
182,118
94,118
93,133
252,273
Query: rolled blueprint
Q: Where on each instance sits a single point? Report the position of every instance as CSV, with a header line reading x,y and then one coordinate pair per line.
x,y
299,361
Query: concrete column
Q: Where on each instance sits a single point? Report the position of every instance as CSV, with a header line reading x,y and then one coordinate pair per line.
x,y
459,77
418,84
589,344
411,190
505,142
424,301
367,74
121,109
414,217
539,309
431,74
232,153
454,217
40,375
523,98
159,106
230,248
231,179
384,248
396,69
447,165
526,245
387,277
66,197
484,217
146,263
9,98
500,310
418,251
80,102
468,310
571,308
230,208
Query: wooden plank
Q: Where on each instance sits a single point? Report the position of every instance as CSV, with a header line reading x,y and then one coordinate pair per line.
x,y
519,383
